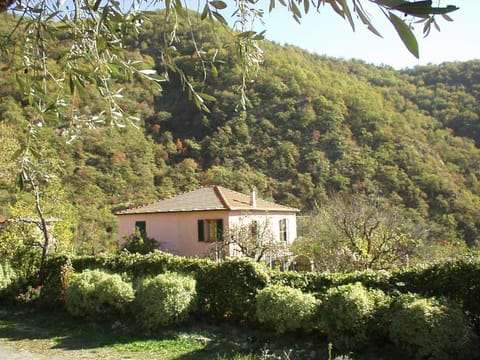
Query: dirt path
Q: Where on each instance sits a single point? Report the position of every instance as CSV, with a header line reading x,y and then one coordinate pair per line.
x,y
11,353
12,350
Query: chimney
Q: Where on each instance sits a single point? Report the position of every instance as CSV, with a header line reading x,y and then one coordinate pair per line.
x,y
253,199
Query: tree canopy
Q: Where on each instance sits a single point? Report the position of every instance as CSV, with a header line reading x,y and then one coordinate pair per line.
x,y
97,31
314,126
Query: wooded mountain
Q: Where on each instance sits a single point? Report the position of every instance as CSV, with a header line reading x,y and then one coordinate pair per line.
x,y
313,126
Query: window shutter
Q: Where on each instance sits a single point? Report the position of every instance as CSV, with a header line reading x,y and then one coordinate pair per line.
x,y
283,230
201,232
219,229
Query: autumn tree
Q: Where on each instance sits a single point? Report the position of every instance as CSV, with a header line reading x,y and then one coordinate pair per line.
x,y
355,231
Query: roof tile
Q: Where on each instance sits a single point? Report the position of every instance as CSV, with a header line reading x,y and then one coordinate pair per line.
x,y
207,198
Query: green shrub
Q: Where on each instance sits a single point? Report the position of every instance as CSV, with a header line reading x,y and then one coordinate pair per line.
x,y
306,281
8,283
456,280
30,295
139,244
7,276
138,265
58,272
97,293
283,308
432,328
164,300
227,289
352,315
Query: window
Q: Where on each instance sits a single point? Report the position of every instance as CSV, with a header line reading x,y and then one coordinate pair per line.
x,y
141,227
283,230
210,230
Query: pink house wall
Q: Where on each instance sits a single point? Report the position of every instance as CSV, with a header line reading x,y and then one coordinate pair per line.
x,y
177,232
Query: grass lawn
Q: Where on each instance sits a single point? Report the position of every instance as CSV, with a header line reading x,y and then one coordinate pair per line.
x,y
55,334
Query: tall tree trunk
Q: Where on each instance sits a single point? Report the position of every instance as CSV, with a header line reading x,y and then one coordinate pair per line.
x,y
44,229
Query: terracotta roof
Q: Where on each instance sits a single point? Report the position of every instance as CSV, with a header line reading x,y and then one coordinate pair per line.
x,y
208,198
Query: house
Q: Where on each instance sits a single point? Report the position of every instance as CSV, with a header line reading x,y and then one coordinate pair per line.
x,y
193,223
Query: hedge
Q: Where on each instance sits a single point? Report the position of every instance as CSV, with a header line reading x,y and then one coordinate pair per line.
x,y
227,289
456,280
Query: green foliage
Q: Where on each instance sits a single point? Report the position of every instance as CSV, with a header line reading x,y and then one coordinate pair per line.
x,y
136,243
353,312
30,295
137,265
456,279
227,289
7,276
285,309
431,328
315,126
352,315
315,282
166,299
320,282
58,273
353,231
8,282
97,293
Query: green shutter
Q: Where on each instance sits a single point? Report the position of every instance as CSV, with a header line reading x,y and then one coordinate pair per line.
x,y
219,229
201,232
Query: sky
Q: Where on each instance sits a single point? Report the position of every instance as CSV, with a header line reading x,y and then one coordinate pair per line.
x,y
326,33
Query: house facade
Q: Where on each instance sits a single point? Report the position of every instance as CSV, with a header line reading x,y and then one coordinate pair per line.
x,y
194,223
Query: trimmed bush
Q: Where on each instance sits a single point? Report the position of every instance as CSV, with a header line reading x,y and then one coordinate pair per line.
x,y
320,282
164,300
283,308
306,281
97,293
227,289
351,315
431,328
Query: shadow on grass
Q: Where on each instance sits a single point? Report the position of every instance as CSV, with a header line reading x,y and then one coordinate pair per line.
x,y
193,341
20,323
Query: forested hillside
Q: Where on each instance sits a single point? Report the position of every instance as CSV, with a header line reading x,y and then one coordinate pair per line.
x,y
313,126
